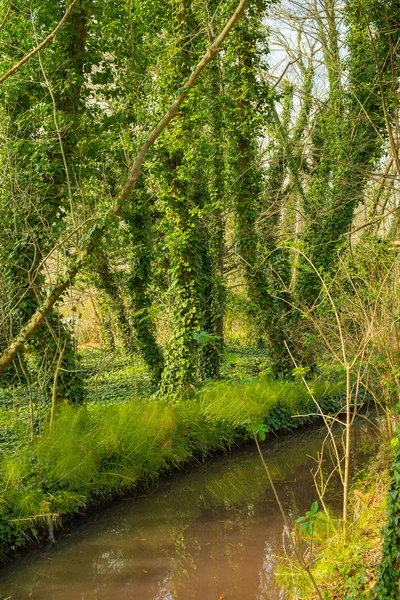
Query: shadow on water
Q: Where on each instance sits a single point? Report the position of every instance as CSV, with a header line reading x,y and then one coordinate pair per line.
x,y
206,534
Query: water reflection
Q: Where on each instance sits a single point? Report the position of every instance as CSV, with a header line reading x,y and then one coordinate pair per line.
x,y
207,534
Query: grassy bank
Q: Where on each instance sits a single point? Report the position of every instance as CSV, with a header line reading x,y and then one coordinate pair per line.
x,y
99,451
348,570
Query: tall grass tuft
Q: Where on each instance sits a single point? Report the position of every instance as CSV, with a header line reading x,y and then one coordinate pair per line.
x,y
279,404
103,450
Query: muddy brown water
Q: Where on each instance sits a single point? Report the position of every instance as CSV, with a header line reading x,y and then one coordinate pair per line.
x,y
208,533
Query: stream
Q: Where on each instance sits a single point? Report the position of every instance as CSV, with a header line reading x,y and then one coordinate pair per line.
x,y
210,532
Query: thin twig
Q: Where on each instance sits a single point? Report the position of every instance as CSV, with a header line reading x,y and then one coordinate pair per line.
x,y
24,60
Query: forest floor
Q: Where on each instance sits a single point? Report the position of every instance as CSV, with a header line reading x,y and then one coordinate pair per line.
x,y
110,377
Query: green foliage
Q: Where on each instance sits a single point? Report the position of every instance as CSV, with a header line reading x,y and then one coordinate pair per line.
x,y
37,155
115,377
388,583
347,141
307,522
100,450
344,570
208,212
138,282
258,430
104,449
276,404
249,110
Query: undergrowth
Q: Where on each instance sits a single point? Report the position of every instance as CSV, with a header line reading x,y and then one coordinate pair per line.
x,y
95,451
345,571
278,404
388,583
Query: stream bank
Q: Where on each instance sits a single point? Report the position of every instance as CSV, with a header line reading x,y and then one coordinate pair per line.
x,y
96,452
210,532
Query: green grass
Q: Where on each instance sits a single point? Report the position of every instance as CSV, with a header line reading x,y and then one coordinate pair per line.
x,y
346,570
278,404
102,450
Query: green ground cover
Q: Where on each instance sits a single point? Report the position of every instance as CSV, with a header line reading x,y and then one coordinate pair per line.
x,y
353,570
114,443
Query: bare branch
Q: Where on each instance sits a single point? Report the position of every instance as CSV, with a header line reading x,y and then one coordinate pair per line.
x,y
6,17
41,45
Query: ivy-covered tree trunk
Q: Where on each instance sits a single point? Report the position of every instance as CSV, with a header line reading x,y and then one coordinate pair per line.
x,y
51,196
213,231
182,188
347,141
138,285
213,298
251,104
388,582
106,281
136,53
185,261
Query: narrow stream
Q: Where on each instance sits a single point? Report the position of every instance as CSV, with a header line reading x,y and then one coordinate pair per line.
x,y
208,533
